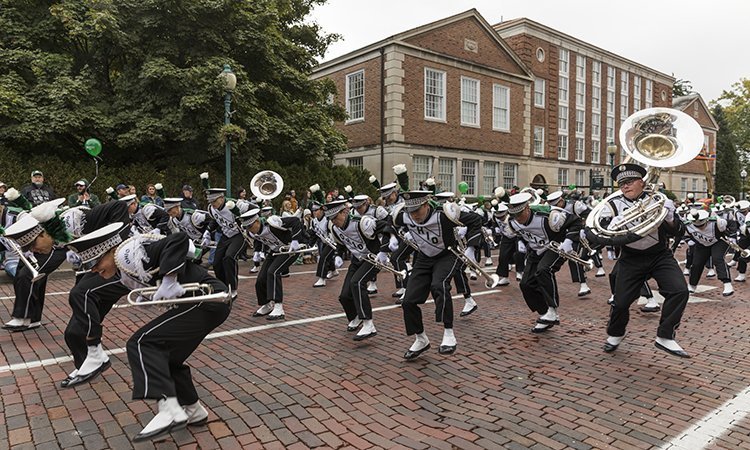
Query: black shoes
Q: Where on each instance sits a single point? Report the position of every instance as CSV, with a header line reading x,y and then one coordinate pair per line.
x,y
174,426
276,317
80,379
413,354
609,348
446,349
362,337
466,313
650,309
680,353
538,330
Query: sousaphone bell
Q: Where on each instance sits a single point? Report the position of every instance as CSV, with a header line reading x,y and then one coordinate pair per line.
x,y
266,185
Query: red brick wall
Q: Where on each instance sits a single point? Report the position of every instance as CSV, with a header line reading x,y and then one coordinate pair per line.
x,y
452,134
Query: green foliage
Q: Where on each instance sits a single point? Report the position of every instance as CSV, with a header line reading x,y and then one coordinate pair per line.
x,y
682,87
736,104
727,161
141,76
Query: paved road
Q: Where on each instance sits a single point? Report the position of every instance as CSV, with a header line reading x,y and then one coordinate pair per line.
x,y
305,383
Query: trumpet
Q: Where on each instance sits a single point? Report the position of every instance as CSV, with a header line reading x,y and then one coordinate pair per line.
x,y
325,239
744,253
408,242
555,247
205,291
488,238
373,259
286,250
491,279
30,263
586,245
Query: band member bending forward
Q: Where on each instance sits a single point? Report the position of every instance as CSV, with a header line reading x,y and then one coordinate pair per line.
x,y
157,352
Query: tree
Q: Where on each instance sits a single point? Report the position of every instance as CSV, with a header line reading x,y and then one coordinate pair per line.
x,y
141,75
727,162
681,88
736,103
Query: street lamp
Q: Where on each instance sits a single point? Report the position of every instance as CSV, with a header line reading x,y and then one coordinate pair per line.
x,y
743,175
230,82
611,151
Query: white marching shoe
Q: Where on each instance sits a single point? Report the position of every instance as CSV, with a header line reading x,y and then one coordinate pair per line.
x,y
472,275
728,290
320,283
711,273
95,359
488,261
264,310
196,414
600,272
16,323
686,271
171,416
651,305
420,345
449,344
740,277
671,346
367,331
585,290
519,276
372,287
612,343
504,281
469,307
354,324
255,269
277,313
691,288
550,317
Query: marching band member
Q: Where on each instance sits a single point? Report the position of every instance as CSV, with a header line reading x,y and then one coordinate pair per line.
x,y
707,233
743,219
274,232
194,223
642,258
362,236
328,260
148,218
390,194
432,229
42,232
158,350
577,274
538,227
510,246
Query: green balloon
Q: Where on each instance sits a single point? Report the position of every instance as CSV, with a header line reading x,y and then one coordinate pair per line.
x,y
463,187
93,147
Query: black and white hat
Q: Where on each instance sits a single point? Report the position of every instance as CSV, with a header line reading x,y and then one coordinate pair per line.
x,y
250,217
500,210
627,171
358,200
91,247
518,202
214,193
171,202
443,197
335,207
387,189
554,197
128,198
414,199
24,231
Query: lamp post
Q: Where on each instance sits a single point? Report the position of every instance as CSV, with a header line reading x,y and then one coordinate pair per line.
x,y
230,82
611,151
743,175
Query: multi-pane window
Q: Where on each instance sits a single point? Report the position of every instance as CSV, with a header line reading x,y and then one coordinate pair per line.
x,y
580,94
446,177
580,149
500,108
596,121
564,59
610,129
683,184
510,175
624,84
562,118
596,72
563,89
469,175
580,121
421,170
355,96
580,177
580,67
562,146
596,98
490,177
596,151
434,94
610,77
539,92
355,162
538,141
610,103
695,184
636,93
649,93
469,101
562,177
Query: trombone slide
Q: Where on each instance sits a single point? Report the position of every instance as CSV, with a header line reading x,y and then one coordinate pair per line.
x,y
585,265
285,250
372,259
207,296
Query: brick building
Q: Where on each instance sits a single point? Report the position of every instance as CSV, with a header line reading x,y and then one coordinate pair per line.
x,y
514,104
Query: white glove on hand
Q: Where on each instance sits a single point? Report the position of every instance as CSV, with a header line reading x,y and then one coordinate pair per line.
x,y
73,258
521,247
408,236
206,239
498,230
155,231
470,253
611,255
669,206
256,257
382,258
338,262
294,245
615,222
169,288
461,232
393,243
691,243
566,246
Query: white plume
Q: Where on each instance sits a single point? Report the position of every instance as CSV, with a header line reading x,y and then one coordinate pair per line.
x,y
372,178
429,182
158,186
110,190
499,191
399,169
44,212
204,175
348,188
315,187
12,194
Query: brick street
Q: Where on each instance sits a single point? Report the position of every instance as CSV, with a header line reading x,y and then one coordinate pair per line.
x,y
304,384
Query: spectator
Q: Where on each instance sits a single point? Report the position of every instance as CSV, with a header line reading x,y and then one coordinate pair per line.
x,y
241,194
82,197
3,188
131,190
293,199
37,192
151,196
122,190
188,202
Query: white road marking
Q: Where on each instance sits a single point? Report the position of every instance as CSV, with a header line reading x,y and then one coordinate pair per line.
x,y
221,334
713,425
692,299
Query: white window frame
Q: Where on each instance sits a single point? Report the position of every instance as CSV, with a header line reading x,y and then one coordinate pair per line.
x,y
596,151
596,98
421,169
610,136
440,96
356,161
581,94
469,175
489,177
580,149
539,92
562,146
562,177
580,121
498,92
446,179
580,176
539,143
683,184
350,99
596,125
469,102
596,73
610,78
562,118
563,89
564,61
510,175
649,93
580,68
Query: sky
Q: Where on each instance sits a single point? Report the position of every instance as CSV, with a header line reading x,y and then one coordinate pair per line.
x,y
704,42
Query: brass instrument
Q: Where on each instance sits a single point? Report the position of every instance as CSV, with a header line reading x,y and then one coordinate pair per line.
x,y
492,280
206,291
408,242
586,245
286,250
373,259
555,247
488,237
30,263
659,138
744,253
266,185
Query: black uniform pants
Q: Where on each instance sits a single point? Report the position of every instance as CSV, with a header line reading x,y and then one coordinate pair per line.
x,y
461,280
325,261
29,301
634,269
743,242
90,300
429,275
538,284
645,289
268,286
228,250
577,274
353,297
157,352
399,259
716,254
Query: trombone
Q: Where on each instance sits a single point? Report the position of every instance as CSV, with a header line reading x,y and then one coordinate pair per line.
x,y
286,250
744,253
373,259
492,280
30,263
585,265
205,291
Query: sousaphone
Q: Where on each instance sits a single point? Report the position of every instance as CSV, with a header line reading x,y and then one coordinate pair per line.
x,y
266,185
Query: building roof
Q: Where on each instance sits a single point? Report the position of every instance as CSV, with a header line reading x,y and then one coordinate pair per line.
x,y
683,103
